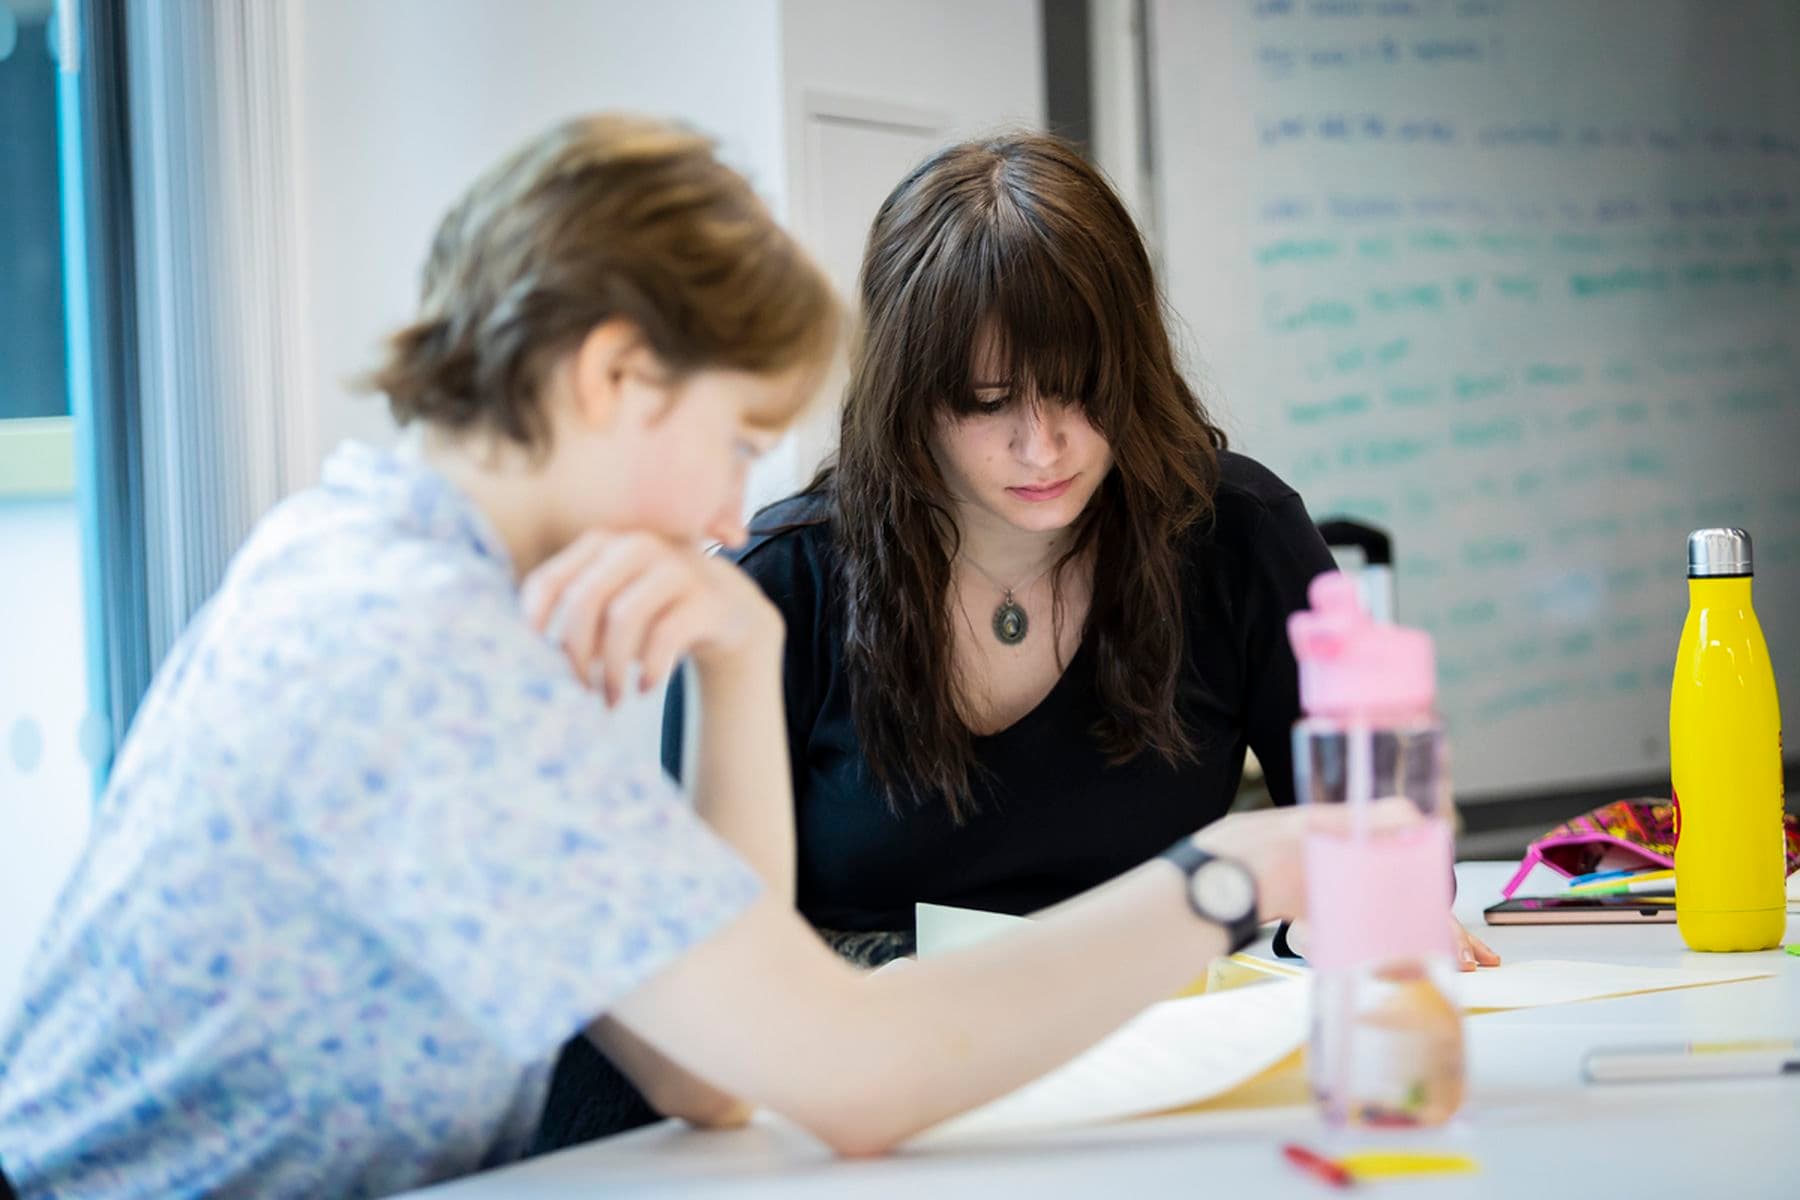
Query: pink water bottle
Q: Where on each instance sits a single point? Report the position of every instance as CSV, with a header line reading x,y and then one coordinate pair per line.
x,y
1387,1045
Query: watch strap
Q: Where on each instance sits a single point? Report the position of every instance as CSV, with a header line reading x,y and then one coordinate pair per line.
x,y
1190,857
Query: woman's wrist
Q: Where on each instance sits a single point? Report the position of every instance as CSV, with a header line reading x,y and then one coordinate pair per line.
x,y
756,655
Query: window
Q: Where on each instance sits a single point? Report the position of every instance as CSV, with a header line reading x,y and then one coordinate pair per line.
x,y
36,455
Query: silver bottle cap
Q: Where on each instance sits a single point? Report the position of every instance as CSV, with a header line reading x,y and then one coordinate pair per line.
x,y
1713,552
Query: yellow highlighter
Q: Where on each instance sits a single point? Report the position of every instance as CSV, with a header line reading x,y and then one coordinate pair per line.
x,y
1400,1164
1725,758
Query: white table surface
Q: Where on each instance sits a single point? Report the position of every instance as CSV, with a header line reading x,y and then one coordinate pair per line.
x,y
1530,1122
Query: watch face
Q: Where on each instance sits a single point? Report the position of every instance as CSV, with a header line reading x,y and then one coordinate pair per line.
x,y
1223,890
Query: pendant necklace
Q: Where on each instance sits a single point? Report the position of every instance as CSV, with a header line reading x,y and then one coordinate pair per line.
x,y
1011,624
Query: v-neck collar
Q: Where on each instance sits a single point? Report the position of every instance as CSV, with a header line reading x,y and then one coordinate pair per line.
x,y
1063,682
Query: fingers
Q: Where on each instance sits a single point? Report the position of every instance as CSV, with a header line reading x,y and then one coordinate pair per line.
x,y
619,603
1465,957
1471,951
543,589
669,638
577,618
629,620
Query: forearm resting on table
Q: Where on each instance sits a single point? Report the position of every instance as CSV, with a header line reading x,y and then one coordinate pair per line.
x,y
766,1011
742,790
738,763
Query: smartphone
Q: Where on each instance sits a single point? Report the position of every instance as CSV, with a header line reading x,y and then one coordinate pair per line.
x,y
1582,910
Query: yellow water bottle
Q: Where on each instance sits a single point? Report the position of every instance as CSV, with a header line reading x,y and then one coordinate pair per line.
x,y
1725,758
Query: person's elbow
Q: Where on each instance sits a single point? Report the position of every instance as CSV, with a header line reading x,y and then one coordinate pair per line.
x,y
699,1104
866,1134
876,1110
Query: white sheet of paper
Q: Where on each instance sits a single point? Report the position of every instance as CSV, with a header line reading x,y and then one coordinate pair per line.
x,y
1555,981
1174,1053
1184,1051
941,928
1517,984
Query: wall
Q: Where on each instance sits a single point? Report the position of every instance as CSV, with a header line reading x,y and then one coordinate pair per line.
x,y
402,103
980,63
868,89
45,791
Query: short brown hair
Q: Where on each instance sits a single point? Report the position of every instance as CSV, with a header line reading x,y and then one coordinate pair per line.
x,y
600,217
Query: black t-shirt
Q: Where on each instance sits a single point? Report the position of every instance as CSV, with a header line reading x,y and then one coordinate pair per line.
x,y
1053,817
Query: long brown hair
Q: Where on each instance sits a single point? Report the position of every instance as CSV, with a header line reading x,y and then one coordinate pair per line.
x,y
1017,235
599,217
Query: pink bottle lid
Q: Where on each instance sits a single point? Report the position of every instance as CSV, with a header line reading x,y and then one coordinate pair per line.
x,y
1352,665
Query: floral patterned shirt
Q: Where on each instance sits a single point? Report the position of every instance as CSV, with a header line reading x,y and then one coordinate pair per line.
x,y
368,857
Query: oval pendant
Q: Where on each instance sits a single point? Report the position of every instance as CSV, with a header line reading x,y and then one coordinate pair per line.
x,y
1010,623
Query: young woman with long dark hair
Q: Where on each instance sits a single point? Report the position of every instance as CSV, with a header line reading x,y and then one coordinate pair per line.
x,y
1036,608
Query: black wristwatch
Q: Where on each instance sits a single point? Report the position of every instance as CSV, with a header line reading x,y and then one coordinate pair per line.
x,y
1220,890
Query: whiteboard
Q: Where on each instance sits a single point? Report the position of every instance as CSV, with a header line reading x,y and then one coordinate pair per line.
x,y
1515,280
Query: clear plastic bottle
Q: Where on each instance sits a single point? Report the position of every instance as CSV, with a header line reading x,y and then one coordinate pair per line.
x,y
1387,1041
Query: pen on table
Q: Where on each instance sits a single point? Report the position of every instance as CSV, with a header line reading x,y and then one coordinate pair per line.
x,y
1747,1060
1318,1166
1627,877
1603,876
1647,887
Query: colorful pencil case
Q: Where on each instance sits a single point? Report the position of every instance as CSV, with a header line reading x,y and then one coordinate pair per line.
x,y
1620,836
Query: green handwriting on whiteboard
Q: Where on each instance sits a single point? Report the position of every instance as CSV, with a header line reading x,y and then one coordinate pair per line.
x,y
1624,279
1318,314
1552,375
1435,241
1573,645
1412,395
1477,612
1517,287
1300,250
1747,402
1526,699
1506,243
1420,297
1478,435
1493,552
1348,405
1390,452
1478,387
1581,243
